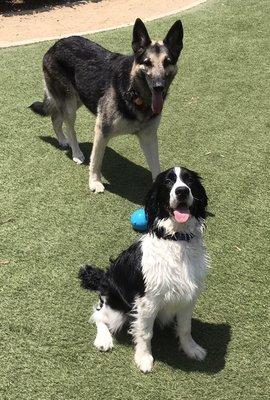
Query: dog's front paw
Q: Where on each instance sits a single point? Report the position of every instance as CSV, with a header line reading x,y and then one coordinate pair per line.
x,y
78,157
103,342
96,186
77,160
144,362
194,351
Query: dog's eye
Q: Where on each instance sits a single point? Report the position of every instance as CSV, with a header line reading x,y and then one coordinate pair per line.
x,y
186,177
171,178
147,62
167,61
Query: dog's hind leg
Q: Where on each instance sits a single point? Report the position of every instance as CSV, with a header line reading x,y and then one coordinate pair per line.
x,y
99,146
69,117
107,321
57,123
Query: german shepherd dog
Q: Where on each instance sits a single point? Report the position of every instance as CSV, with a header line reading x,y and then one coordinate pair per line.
x,y
126,93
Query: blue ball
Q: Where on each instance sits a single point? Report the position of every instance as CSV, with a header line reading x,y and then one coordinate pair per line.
x,y
139,220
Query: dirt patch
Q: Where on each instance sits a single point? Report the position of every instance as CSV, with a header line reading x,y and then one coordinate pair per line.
x,y
9,7
28,25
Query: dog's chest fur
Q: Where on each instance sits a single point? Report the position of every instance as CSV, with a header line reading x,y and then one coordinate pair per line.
x,y
173,270
124,126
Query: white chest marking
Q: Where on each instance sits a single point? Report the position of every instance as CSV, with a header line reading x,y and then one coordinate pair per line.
x,y
173,271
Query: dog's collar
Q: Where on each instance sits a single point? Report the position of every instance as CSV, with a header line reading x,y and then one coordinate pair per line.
x,y
139,103
180,236
177,237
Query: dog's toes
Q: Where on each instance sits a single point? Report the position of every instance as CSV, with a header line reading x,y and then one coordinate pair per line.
x,y
78,156
97,187
194,351
78,160
144,362
103,343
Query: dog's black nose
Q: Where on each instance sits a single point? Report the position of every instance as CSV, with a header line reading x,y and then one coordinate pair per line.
x,y
159,86
182,192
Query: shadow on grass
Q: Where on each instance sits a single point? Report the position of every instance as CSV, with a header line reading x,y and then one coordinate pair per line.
x,y
8,8
126,179
213,337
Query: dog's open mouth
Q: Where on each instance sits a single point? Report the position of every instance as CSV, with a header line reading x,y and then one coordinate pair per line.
x,y
181,214
157,102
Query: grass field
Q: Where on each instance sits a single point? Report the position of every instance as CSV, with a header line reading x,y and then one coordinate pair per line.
x,y
217,122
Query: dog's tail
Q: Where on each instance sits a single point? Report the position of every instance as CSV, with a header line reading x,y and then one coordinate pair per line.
x,y
42,108
91,277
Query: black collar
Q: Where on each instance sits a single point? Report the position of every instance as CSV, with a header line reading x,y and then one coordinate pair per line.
x,y
177,237
180,236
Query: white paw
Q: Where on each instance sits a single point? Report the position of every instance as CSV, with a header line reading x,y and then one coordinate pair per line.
x,y
144,362
103,342
194,351
63,143
96,186
78,158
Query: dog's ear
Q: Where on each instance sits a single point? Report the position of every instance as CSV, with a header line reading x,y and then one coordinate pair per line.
x,y
174,40
202,203
151,204
141,39
201,199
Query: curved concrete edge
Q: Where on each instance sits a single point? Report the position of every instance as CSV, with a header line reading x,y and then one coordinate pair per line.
x,y
193,3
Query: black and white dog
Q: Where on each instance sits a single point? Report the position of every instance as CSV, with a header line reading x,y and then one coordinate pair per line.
x,y
161,275
126,93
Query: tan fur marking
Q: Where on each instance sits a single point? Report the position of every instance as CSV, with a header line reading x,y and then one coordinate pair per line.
x,y
136,68
160,42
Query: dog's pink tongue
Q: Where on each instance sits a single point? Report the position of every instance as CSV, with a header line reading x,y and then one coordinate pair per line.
x,y
157,102
181,215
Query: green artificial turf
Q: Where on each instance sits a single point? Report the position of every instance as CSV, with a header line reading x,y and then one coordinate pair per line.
x,y
217,122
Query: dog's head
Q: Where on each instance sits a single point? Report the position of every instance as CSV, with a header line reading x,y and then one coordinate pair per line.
x,y
177,195
156,61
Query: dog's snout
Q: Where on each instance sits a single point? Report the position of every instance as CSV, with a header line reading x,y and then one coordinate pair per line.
x,y
159,85
182,192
